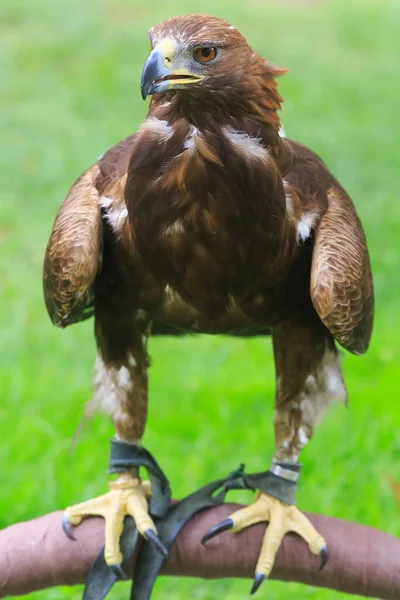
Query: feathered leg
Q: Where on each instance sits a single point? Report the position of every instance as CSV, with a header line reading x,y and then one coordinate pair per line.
x,y
308,380
121,387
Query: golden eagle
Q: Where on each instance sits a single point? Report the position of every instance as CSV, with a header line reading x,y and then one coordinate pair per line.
x,y
208,220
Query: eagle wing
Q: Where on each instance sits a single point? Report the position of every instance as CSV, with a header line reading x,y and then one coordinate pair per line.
x,y
73,258
341,279
73,255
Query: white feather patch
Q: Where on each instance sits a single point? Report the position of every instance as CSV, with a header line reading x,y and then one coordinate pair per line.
x,y
159,127
124,379
322,389
175,227
303,436
305,225
115,213
109,383
251,148
106,202
131,360
191,140
282,132
289,206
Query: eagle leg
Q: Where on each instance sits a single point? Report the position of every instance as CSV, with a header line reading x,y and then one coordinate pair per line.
x,y
121,383
309,379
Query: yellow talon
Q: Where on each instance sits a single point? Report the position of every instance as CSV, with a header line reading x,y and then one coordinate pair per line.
x,y
128,495
282,519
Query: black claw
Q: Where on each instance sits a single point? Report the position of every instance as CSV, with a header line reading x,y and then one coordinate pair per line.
x,y
157,543
258,579
118,571
324,557
66,525
223,526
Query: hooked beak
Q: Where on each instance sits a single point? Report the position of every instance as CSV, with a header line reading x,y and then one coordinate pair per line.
x,y
158,74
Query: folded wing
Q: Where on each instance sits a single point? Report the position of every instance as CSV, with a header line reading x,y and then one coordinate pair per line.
x,y
341,280
74,253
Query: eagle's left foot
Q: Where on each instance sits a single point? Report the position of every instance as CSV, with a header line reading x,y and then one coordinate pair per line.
x,y
282,518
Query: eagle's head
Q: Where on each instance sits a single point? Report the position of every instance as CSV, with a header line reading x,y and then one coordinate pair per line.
x,y
193,50
202,53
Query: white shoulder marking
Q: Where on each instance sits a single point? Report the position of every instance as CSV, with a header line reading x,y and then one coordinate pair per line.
x,y
250,147
116,213
282,132
105,202
175,227
289,200
158,127
305,225
190,142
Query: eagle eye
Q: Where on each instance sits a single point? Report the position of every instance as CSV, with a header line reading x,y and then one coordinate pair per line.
x,y
205,55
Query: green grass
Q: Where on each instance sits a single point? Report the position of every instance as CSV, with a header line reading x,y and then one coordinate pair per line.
x,y
69,77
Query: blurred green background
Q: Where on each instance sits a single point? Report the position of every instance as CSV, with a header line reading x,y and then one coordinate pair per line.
x,y
69,78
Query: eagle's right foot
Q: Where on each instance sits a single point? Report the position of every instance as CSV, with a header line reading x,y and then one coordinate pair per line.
x,y
128,495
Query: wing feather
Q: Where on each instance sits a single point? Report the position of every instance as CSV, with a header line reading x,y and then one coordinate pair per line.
x,y
74,253
341,279
73,258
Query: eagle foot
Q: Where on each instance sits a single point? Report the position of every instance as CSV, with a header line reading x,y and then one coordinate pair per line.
x,y
128,495
282,516
148,559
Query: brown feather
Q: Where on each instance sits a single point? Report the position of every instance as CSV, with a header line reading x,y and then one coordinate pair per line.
x,y
211,222
73,256
341,280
